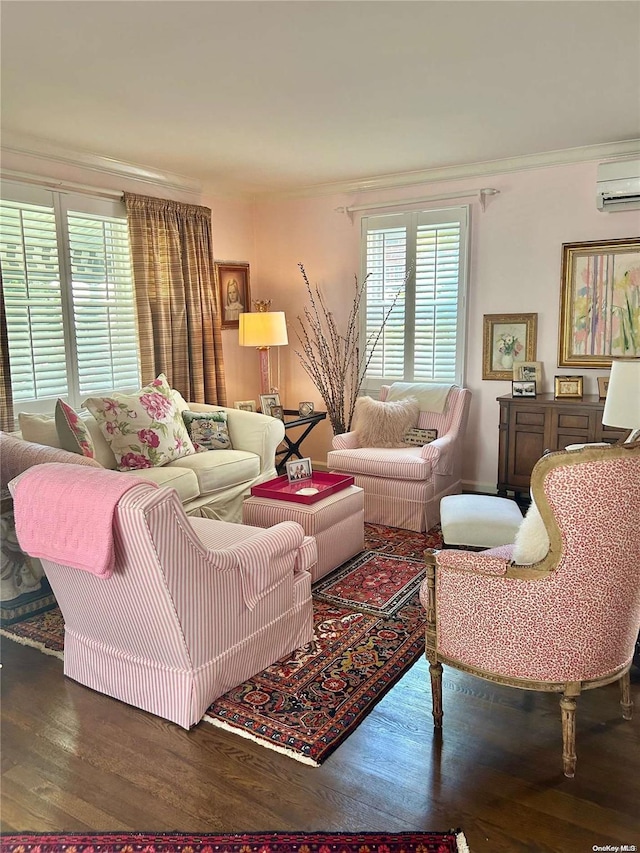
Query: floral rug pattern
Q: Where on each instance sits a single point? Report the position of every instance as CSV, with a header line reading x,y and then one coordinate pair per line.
x,y
275,842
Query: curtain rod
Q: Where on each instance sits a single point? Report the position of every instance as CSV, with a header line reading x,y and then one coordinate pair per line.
x,y
481,194
54,184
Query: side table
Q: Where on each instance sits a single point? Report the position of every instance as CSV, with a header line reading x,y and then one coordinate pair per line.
x,y
292,446
336,522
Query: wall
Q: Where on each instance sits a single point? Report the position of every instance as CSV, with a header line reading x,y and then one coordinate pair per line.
x,y
515,266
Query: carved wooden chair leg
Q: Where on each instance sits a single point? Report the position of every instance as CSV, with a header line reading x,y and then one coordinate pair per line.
x,y
568,708
625,696
435,671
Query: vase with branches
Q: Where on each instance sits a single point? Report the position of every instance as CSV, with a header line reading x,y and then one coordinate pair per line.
x,y
333,358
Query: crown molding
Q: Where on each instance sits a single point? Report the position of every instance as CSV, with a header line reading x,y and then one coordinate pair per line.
x,y
487,168
46,151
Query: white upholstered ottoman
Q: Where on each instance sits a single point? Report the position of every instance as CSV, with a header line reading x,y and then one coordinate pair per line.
x,y
482,521
336,522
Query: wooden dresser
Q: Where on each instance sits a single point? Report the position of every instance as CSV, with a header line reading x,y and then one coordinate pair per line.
x,y
531,425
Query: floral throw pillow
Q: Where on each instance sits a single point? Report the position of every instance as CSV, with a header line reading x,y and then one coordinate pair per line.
x,y
208,430
145,429
73,433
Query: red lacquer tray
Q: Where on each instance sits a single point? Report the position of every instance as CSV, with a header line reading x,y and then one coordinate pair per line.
x,y
281,489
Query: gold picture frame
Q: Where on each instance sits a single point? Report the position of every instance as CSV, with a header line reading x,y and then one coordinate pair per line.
x,y
568,387
506,340
603,387
234,294
245,405
528,371
599,299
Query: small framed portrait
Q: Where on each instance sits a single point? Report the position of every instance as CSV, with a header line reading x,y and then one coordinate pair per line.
x,y
305,408
299,469
277,412
568,386
523,388
267,401
245,405
603,385
528,371
234,296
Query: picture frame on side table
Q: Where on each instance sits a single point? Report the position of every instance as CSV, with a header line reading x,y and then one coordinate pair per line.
x,y
523,388
600,287
277,412
568,387
267,401
507,340
245,405
299,469
234,293
603,387
305,408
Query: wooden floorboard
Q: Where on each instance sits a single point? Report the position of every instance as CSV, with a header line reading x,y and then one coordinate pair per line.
x,y
73,759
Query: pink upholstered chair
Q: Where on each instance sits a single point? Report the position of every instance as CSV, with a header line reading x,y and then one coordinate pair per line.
x,y
193,607
403,486
565,624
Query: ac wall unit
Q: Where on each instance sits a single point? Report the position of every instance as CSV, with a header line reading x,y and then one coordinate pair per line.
x,y
618,186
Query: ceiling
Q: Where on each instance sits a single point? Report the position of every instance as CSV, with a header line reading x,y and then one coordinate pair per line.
x,y
264,97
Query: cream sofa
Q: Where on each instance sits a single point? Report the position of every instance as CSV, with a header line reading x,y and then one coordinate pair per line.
x,y
210,484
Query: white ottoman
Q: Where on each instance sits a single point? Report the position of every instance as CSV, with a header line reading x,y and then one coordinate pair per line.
x,y
337,523
482,521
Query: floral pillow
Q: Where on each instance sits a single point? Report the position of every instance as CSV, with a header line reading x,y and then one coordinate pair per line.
x,y
145,429
73,433
208,430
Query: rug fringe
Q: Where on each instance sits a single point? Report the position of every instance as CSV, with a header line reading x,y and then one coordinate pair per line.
x,y
303,759
461,841
36,644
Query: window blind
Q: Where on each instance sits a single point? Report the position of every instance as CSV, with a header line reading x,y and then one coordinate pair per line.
x,y
423,339
69,298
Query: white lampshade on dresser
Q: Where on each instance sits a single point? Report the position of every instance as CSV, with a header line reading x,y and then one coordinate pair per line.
x,y
622,405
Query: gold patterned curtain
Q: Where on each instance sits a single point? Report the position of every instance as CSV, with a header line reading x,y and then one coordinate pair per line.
x,y
6,395
178,317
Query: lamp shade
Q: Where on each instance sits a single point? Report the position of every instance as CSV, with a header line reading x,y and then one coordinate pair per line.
x,y
262,329
622,406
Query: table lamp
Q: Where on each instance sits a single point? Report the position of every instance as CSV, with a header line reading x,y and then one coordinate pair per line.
x,y
263,329
622,406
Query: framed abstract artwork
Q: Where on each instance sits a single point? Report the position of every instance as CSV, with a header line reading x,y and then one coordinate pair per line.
x,y
507,340
599,302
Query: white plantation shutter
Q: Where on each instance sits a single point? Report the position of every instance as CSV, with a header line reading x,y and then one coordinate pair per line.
x,y
69,297
423,340
33,301
103,304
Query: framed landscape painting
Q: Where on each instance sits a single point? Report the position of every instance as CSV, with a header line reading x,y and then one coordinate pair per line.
x,y
599,302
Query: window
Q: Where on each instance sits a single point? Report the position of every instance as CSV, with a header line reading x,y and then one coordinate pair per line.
x,y
423,339
69,298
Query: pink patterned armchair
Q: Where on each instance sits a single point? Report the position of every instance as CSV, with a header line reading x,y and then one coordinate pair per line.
x,y
191,608
565,624
403,486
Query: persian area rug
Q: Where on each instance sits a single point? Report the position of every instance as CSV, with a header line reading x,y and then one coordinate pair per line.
x,y
452,841
369,629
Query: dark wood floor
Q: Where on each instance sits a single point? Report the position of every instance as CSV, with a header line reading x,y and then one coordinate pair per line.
x,y
75,760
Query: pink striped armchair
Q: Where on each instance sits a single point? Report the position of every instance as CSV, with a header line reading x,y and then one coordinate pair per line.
x,y
565,624
193,608
403,486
